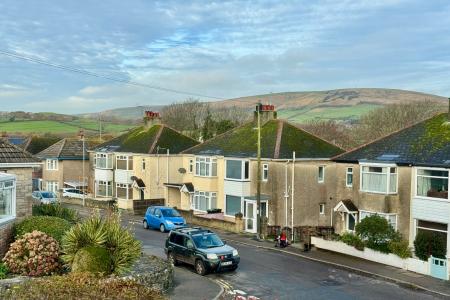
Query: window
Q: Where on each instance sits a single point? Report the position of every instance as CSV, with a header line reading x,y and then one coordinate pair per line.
x,y
437,228
205,166
143,164
124,191
204,200
52,186
7,199
321,174
432,183
391,218
104,188
237,169
52,164
379,179
349,177
103,161
350,222
232,205
124,162
265,172
191,165
322,208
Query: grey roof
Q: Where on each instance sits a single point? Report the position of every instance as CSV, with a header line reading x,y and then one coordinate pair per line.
x,y
426,143
69,149
10,153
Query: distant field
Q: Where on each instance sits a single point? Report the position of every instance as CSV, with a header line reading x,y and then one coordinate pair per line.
x,y
326,113
56,127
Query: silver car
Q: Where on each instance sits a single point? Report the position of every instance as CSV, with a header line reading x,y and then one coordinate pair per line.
x,y
45,197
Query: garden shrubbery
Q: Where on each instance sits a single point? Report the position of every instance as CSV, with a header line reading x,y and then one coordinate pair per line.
x,y
3,271
35,254
53,226
82,286
352,240
107,233
429,243
56,210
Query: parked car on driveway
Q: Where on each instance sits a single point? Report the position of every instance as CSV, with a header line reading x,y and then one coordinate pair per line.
x,y
163,218
73,193
45,197
201,248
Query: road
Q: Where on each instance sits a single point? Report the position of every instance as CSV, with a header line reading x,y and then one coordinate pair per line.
x,y
274,275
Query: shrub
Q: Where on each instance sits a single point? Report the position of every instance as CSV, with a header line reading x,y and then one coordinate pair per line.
x,y
56,210
376,232
35,254
400,248
53,226
3,271
352,240
123,248
82,286
92,259
429,243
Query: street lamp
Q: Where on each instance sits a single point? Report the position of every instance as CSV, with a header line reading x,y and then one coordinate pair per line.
x,y
81,134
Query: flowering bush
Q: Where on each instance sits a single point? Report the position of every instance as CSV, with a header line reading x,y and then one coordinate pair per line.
x,y
35,254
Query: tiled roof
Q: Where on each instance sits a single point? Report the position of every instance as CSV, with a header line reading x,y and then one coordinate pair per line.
x,y
33,144
278,140
65,149
10,153
147,140
425,143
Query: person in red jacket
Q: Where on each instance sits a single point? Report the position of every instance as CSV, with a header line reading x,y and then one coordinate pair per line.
x,y
283,239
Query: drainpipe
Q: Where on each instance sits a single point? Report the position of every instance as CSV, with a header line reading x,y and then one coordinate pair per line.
x,y
292,199
286,194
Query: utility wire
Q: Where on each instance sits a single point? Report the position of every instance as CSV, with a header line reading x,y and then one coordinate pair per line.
x,y
89,73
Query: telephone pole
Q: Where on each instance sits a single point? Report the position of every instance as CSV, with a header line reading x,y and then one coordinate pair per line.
x,y
258,183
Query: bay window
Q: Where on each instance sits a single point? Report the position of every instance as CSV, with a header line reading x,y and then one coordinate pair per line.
x,y
379,179
52,164
104,188
204,200
124,191
205,166
7,198
124,162
103,161
237,169
232,205
432,183
390,218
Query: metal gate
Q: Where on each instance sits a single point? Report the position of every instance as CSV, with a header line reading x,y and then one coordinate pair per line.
x,y
438,268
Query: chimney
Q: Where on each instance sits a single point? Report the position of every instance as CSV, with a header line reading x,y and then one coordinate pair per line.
x,y
267,112
151,118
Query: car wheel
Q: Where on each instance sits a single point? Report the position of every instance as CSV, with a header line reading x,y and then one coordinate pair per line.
x,y
162,228
145,224
200,267
171,258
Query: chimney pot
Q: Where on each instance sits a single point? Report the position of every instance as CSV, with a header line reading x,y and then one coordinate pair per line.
x,y
267,112
151,118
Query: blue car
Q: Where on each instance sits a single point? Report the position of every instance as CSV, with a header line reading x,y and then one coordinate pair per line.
x,y
163,218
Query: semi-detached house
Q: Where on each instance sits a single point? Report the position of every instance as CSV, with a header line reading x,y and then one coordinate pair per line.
x,y
222,173
403,177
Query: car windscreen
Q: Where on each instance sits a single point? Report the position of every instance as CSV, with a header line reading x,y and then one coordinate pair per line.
x,y
170,213
48,195
209,240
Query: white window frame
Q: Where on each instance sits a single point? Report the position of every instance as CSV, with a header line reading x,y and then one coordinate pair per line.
x,y
191,166
384,215
321,180
321,208
208,196
128,161
108,157
225,206
105,183
52,164
127,187
52,186
7,218
433,169
244,162
388,174
349,171
208,161
265,172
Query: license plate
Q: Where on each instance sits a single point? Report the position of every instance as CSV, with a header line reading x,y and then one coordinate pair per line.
x,y
226,263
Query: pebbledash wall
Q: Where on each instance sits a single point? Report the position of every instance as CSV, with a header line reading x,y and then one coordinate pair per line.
x,y
24,204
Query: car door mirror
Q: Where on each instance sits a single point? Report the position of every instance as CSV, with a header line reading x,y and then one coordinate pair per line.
x,y
190,246
158,216
224,242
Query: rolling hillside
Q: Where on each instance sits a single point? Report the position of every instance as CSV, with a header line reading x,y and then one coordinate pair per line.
x,y
342,104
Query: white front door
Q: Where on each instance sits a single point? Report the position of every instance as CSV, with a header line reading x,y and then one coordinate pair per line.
x,y
250,216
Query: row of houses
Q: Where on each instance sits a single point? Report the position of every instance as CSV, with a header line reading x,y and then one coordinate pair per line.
x,y
306,181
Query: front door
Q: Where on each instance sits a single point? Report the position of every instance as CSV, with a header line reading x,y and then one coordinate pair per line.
x,y
250,216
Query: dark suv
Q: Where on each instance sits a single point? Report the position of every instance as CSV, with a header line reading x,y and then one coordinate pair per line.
x,y
201,248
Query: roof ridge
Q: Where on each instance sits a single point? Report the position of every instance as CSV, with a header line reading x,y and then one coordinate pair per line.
x,y
64,140
18,148
155,142
387,135
177,131
278,140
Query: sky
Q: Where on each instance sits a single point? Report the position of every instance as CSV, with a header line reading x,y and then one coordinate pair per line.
x,y
221,49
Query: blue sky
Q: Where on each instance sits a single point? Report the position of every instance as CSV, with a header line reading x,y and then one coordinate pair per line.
x,y
225,49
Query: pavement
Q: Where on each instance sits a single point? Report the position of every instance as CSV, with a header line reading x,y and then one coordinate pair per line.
x,y
273,273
